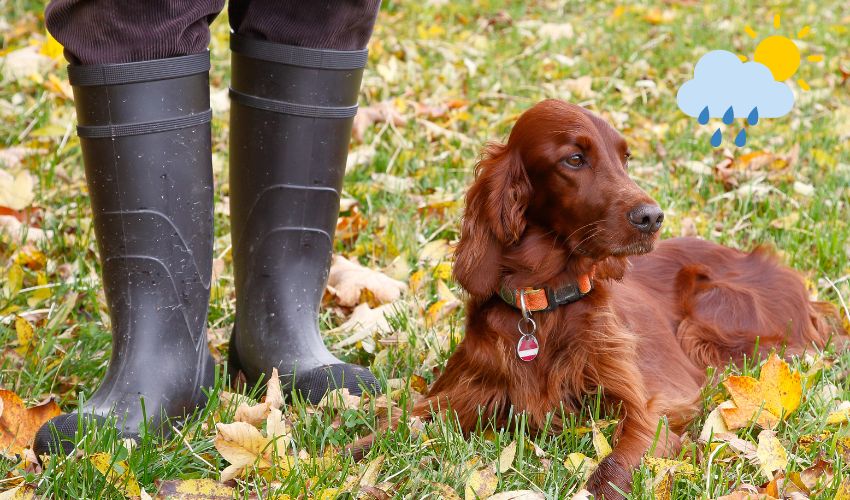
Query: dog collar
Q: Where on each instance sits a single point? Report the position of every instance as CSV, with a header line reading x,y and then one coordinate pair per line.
x,y
546,298
529,300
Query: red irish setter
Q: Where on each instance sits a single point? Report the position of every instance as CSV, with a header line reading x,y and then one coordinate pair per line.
x,y
567,296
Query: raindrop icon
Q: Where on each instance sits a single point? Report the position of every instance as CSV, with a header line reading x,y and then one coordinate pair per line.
x,y
716,138
753,117
728,116
741,138
703,116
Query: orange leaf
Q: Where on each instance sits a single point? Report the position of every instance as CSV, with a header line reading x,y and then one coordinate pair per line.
x,y
18,424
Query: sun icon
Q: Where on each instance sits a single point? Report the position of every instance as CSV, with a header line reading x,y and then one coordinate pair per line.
x,y
780,54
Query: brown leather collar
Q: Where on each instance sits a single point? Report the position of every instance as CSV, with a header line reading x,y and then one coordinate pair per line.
x,y
546,298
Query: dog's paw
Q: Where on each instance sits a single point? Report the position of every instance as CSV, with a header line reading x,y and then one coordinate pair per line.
x,y
610,479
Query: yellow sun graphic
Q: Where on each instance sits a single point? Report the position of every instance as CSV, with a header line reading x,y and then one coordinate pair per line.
x,y
781,54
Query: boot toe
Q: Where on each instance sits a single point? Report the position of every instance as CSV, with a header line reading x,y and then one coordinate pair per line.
x,y
57,435
314,384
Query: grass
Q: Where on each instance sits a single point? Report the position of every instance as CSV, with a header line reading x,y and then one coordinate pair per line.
x,y
492,60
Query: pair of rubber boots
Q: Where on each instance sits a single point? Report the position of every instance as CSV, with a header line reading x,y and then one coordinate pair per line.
x,y
144,129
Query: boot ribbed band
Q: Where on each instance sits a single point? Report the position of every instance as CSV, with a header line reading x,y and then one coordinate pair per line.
x,y
123,130
291,108
298,56
142,71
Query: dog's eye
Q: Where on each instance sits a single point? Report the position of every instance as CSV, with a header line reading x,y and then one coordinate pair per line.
x,y
574,161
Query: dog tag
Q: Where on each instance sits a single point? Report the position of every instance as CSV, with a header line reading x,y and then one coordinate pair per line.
x,y
527,347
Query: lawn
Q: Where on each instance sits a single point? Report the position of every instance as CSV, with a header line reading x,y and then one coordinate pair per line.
x,y
443,78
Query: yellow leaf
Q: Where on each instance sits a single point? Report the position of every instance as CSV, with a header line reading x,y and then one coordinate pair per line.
x,y
481,484
782,388
445,491
22,492
580,464
39,295
191,489
370,474
117,473
443,271
843,492
506,458
771,455
14,280
26,336
417,279
678,468
600,444
662,486
840,415
52,48
775,395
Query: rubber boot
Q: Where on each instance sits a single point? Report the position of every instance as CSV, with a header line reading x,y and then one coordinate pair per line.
x,y
290,124
144,129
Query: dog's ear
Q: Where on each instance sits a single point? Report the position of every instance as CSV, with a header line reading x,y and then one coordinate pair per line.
x,y
493,219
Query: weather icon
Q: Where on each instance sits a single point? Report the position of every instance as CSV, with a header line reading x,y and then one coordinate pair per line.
x,y
727,86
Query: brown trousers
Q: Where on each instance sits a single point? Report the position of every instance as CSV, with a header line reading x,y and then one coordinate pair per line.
x,y
118,31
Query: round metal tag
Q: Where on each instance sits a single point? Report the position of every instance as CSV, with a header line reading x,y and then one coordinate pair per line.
x,y
527,347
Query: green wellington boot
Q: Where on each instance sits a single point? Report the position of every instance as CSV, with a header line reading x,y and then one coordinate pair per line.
x,y
144,129
290,125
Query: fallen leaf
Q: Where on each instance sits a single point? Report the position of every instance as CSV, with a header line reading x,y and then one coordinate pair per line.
x,y
117,473
678,468
446,491
241,444
774,396
13,227
16,191
840,415
19,424
435,251
340,399
22,63
745,495
506,458
365,322
714,424
580,464
771,454
20,492
480,484
193,489
843,492
348,281
517,495
371,472
382,112
662,486
26,336
600,444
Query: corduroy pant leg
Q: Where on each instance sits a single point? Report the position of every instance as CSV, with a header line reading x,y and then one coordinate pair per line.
x,y
109,31
317,24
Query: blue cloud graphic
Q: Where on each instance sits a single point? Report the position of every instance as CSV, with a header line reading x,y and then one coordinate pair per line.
x,y
721,80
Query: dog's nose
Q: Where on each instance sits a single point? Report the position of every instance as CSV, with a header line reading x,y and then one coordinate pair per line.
x,y
647,218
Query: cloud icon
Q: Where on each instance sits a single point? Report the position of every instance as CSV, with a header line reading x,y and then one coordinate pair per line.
x,y
721,81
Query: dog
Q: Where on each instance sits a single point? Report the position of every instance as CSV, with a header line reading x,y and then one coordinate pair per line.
x,y
570,294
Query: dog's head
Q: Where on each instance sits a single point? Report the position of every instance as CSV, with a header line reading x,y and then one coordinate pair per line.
x,y
564,171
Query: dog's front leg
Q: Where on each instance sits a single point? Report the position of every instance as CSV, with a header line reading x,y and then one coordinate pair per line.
x,y
614,473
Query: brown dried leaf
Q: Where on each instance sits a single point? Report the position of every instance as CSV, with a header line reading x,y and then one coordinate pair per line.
x,y
19,424
382,112
348,280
